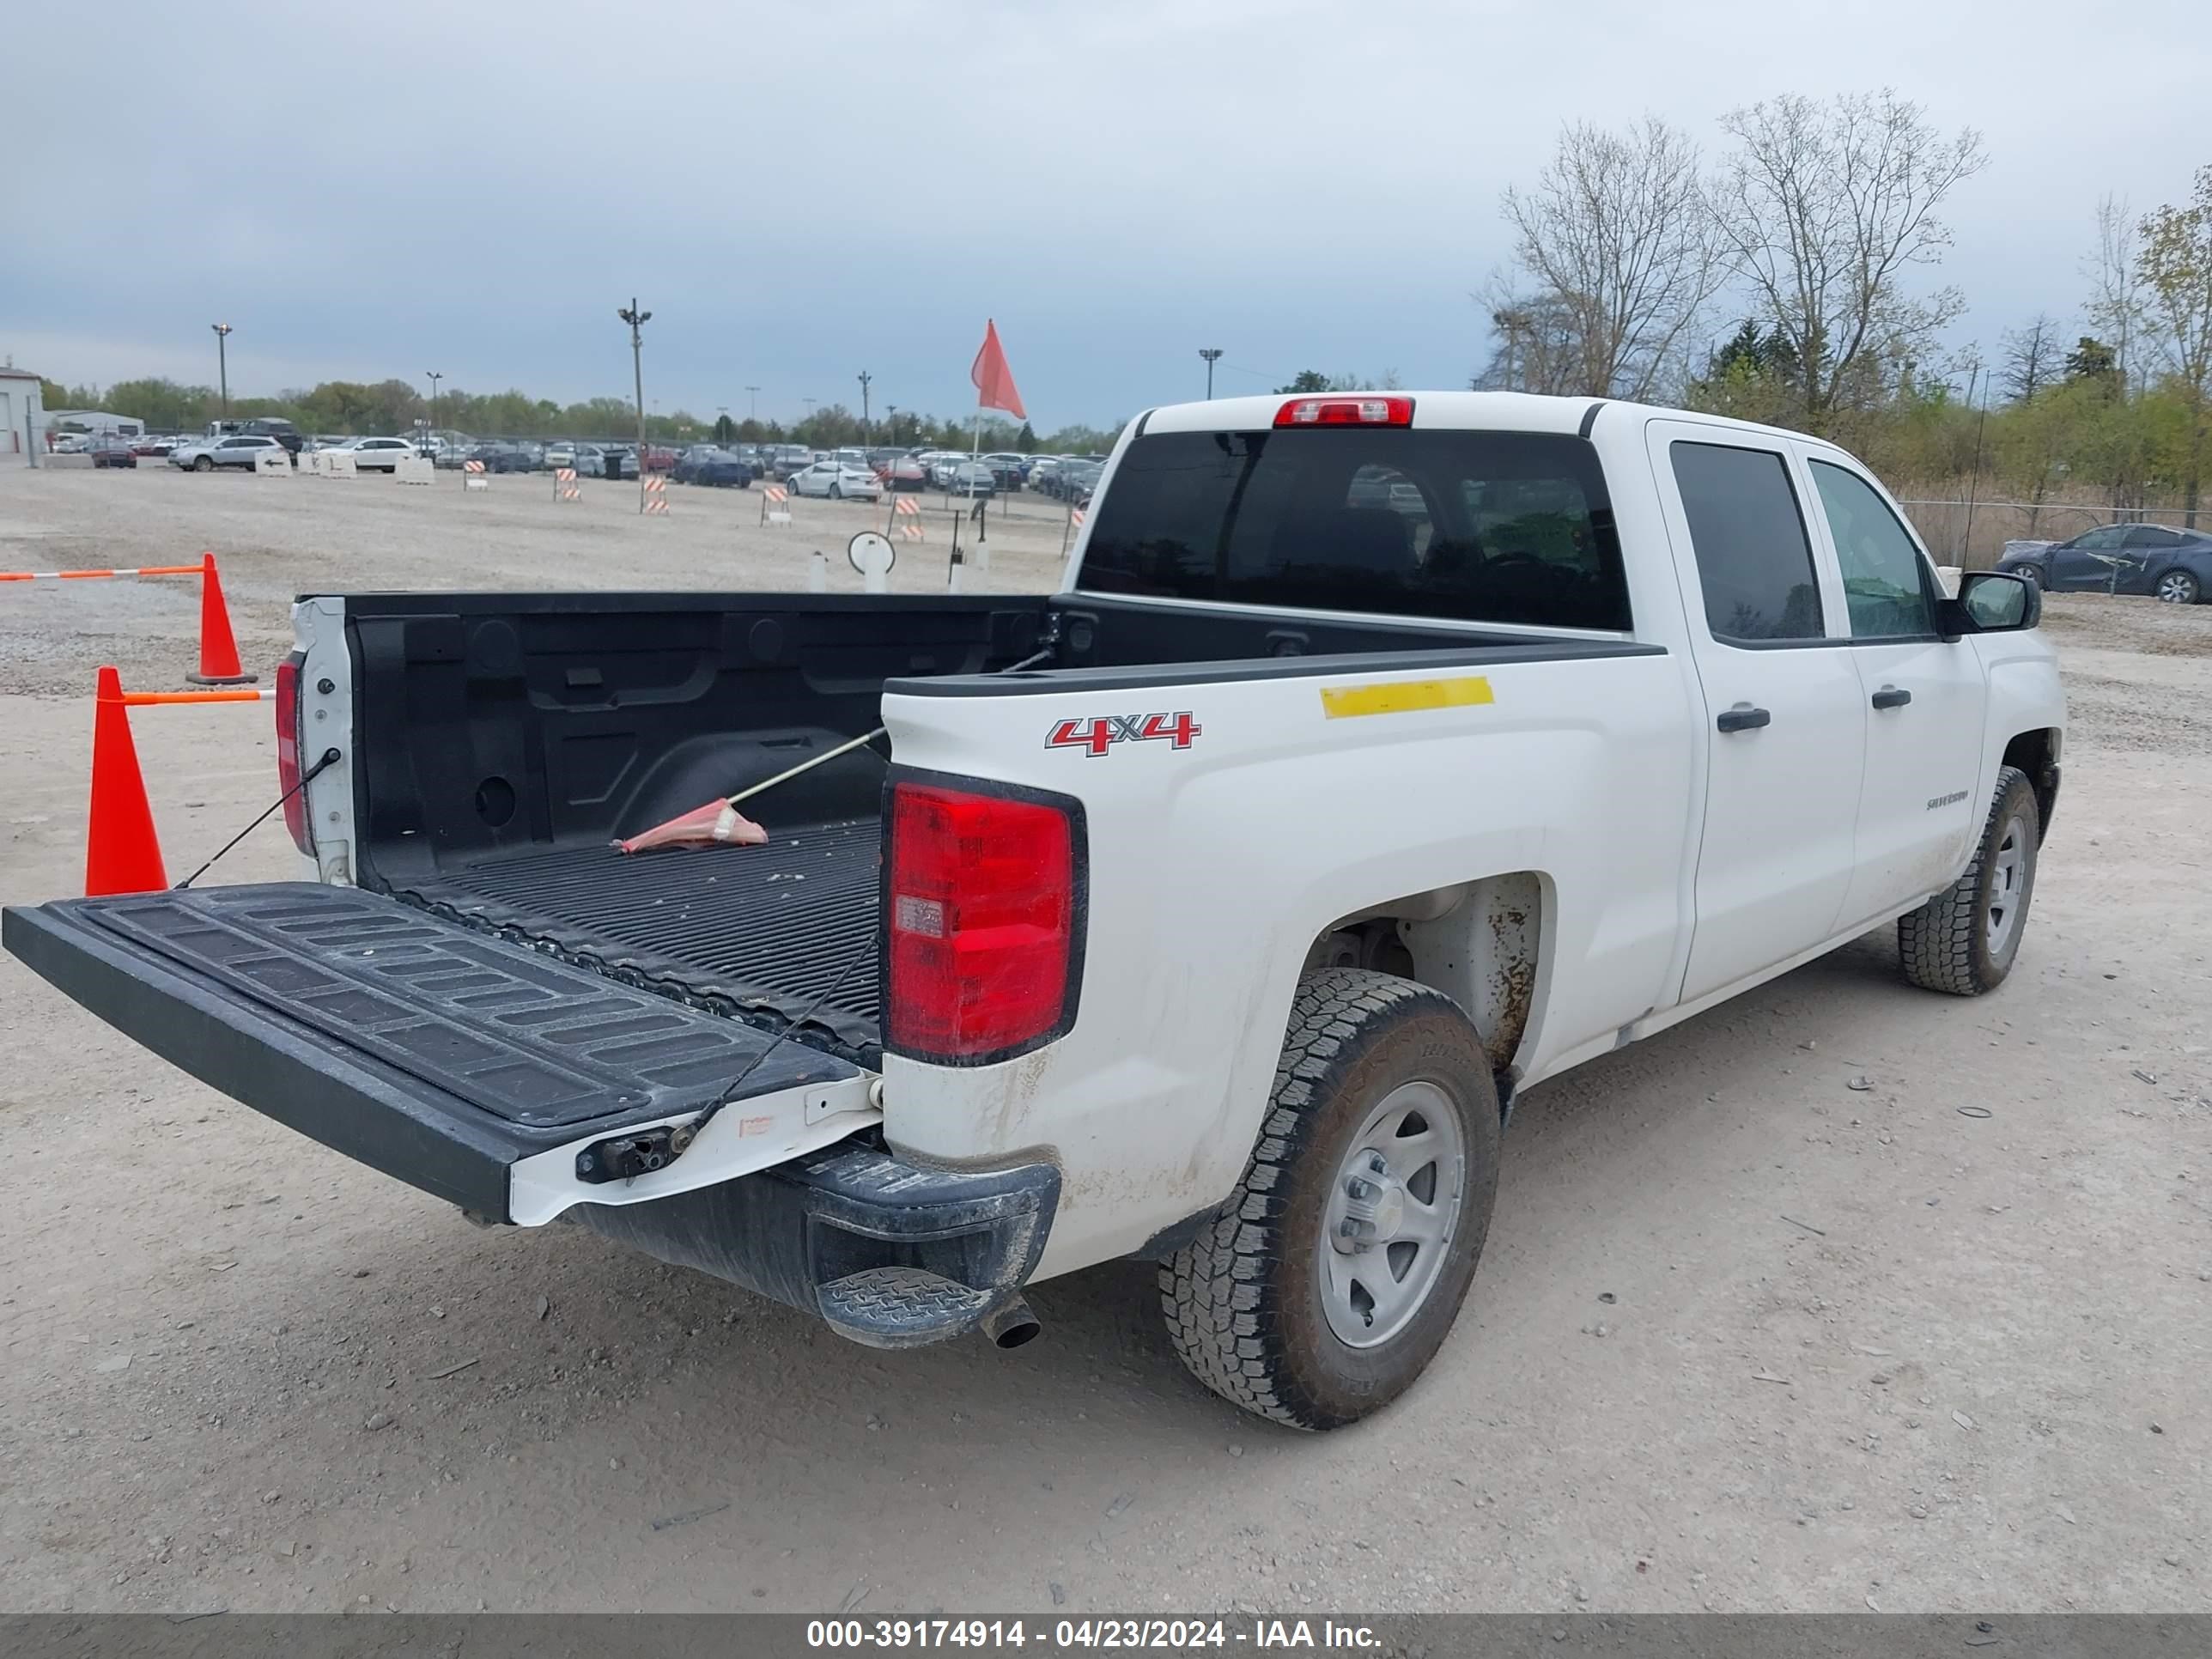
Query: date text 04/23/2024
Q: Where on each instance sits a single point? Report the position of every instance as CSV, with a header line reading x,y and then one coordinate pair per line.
x,y
1086,1633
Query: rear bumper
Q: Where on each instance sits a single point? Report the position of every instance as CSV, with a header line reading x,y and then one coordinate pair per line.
x,y
801,1230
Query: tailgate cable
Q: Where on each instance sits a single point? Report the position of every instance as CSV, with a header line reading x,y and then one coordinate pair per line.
x,y
626,1157
305,778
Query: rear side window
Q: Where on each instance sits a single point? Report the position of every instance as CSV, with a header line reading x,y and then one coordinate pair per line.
x,y
1508,527
1883,584
1754,563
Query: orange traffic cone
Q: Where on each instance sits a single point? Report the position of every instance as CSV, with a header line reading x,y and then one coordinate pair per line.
x,y
122,854
219,663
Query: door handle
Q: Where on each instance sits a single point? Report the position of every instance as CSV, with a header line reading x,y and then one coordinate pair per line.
x,y
1890,697
1743,718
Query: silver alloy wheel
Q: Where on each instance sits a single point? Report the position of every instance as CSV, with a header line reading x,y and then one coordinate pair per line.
x,y
2177,587
2008,868
1394,1207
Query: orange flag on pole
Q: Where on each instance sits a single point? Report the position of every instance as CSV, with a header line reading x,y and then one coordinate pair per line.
x,y
994,381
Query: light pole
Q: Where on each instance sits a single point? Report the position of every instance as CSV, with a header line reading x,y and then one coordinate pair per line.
x,y
865,378
752,402
637,320
1211,354
222,362
433,377
890,419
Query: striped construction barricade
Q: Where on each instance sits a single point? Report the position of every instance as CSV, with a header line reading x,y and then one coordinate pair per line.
x,y
473,476
565,487
655,496
775,505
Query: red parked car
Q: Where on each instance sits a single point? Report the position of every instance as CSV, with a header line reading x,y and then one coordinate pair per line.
x,y
658,457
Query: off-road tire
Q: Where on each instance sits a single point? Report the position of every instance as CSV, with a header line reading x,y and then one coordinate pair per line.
x,y
1945,944
1242,1300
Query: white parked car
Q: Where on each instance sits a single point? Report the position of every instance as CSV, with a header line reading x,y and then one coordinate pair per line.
x,y
1221,936
235,450
589,460
377,455
838,481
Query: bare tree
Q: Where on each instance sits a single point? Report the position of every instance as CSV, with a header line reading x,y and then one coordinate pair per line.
x,y
1615,236
2175,264
1822,208
2033,359
1537,349
2116,298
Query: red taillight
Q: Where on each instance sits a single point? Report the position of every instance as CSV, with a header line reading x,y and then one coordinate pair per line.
x,y
288,752
1345,411
981,896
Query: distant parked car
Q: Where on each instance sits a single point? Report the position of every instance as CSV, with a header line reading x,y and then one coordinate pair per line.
x,y
837,481
377,455
237,449
269,426
2171,565
905,473
968,478
589,460
704,464
1010,470
659,458
502,456
109,450
70,443
151,446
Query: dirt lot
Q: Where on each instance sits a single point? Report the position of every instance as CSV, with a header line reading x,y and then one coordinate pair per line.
x,y
1973,1369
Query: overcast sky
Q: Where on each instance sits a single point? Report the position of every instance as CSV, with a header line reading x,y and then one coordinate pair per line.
x,y
801,192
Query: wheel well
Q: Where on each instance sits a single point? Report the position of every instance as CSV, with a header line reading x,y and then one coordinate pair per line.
x,y
1479,942
2036,753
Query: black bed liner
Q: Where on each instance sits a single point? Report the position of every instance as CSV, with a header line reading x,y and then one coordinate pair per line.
x,y
768,930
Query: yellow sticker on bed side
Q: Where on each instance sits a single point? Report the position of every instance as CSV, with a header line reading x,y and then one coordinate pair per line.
x,y
1341,702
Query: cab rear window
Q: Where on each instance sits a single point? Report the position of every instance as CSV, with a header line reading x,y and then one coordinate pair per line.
x,y
1507,527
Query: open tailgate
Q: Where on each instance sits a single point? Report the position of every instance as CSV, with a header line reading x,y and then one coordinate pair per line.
x,y
466,1064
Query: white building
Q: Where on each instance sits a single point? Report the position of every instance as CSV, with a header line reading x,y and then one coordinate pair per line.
x,y
22,422
94,422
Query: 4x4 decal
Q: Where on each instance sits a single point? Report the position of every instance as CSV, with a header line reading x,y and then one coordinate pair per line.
x,y
1095,735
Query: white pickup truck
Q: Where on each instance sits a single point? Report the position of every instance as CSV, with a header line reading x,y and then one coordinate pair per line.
x,y
1383,755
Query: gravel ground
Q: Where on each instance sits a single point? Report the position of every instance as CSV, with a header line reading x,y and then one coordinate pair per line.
x,y
1745,1337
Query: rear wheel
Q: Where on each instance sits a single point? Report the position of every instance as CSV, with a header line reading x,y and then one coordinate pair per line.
x,y
836,494
1963,941
2177,587
1327,1283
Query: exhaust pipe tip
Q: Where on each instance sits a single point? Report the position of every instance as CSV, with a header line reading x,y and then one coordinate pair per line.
x,y
1012,1324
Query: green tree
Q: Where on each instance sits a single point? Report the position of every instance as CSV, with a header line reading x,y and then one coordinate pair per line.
x,y
2175,263
1026,440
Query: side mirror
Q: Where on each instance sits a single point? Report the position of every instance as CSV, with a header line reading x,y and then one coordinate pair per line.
x,y
1991,602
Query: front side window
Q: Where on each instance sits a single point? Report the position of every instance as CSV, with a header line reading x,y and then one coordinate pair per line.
x,y
1754,561
1883,587
1506,527
2099,540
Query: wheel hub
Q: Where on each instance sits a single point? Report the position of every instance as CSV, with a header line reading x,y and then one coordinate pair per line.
x,y
1374,1205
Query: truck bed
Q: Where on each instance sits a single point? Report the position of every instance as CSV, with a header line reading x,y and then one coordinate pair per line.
x,y
765,930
